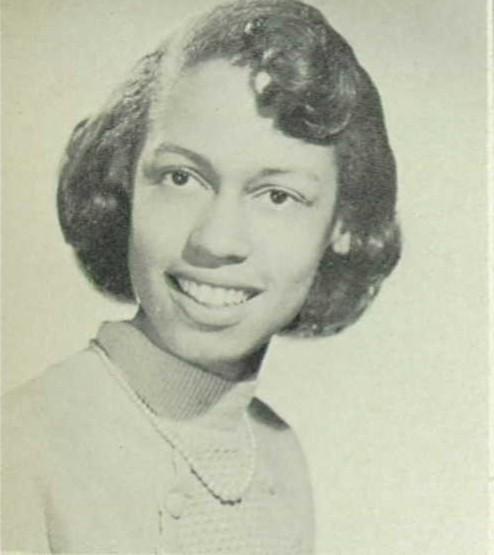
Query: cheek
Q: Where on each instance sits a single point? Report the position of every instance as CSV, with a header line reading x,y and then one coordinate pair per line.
x,y
158,233
298,274
290,280
293,254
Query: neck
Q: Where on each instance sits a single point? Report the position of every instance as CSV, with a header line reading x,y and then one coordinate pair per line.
x,y
239,370
236,370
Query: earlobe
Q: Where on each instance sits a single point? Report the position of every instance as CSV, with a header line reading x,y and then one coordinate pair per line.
x,y
340,240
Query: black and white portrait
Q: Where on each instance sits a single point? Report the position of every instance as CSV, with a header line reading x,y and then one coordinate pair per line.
x,y
245,300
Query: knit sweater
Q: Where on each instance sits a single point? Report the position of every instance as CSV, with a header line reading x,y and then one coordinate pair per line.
x,y
125,449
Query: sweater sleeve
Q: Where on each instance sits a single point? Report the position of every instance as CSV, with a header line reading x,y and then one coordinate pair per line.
x,y
23,518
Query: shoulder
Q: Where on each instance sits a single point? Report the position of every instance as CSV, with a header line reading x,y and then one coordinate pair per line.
x,y
56,386
75,413
56,401
36,427
276,438
281,451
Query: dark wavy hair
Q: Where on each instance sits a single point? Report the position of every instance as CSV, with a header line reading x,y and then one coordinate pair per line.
x,y
316,91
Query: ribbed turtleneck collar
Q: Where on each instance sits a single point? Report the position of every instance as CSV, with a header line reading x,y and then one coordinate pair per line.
x,y
203,415
171,387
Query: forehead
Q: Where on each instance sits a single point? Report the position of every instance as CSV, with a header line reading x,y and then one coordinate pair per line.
x,y
211,109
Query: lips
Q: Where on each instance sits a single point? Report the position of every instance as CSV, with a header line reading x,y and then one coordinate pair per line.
x,y
213,295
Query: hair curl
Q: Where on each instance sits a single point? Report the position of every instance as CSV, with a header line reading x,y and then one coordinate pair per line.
x,y
316,91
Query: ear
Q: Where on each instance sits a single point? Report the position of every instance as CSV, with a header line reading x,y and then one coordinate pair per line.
x,y
339,239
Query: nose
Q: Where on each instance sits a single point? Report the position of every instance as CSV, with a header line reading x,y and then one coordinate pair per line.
x,y
220,236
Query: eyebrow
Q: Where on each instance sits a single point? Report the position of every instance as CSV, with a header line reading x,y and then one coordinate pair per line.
x,y
268,172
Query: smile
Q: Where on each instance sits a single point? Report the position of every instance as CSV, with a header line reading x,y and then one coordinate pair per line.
x,y
212,295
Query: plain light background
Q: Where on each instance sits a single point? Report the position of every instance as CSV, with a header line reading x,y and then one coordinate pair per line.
x,y
392,413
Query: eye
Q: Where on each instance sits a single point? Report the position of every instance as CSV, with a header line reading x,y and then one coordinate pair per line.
x,y
180,178
278,198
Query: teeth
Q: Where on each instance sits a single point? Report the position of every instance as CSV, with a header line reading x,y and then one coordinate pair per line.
x,y
213,296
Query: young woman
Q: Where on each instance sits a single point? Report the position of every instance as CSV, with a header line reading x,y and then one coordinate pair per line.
x,y
239,184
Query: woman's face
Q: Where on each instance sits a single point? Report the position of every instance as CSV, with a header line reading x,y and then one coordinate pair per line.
x,y
230,218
